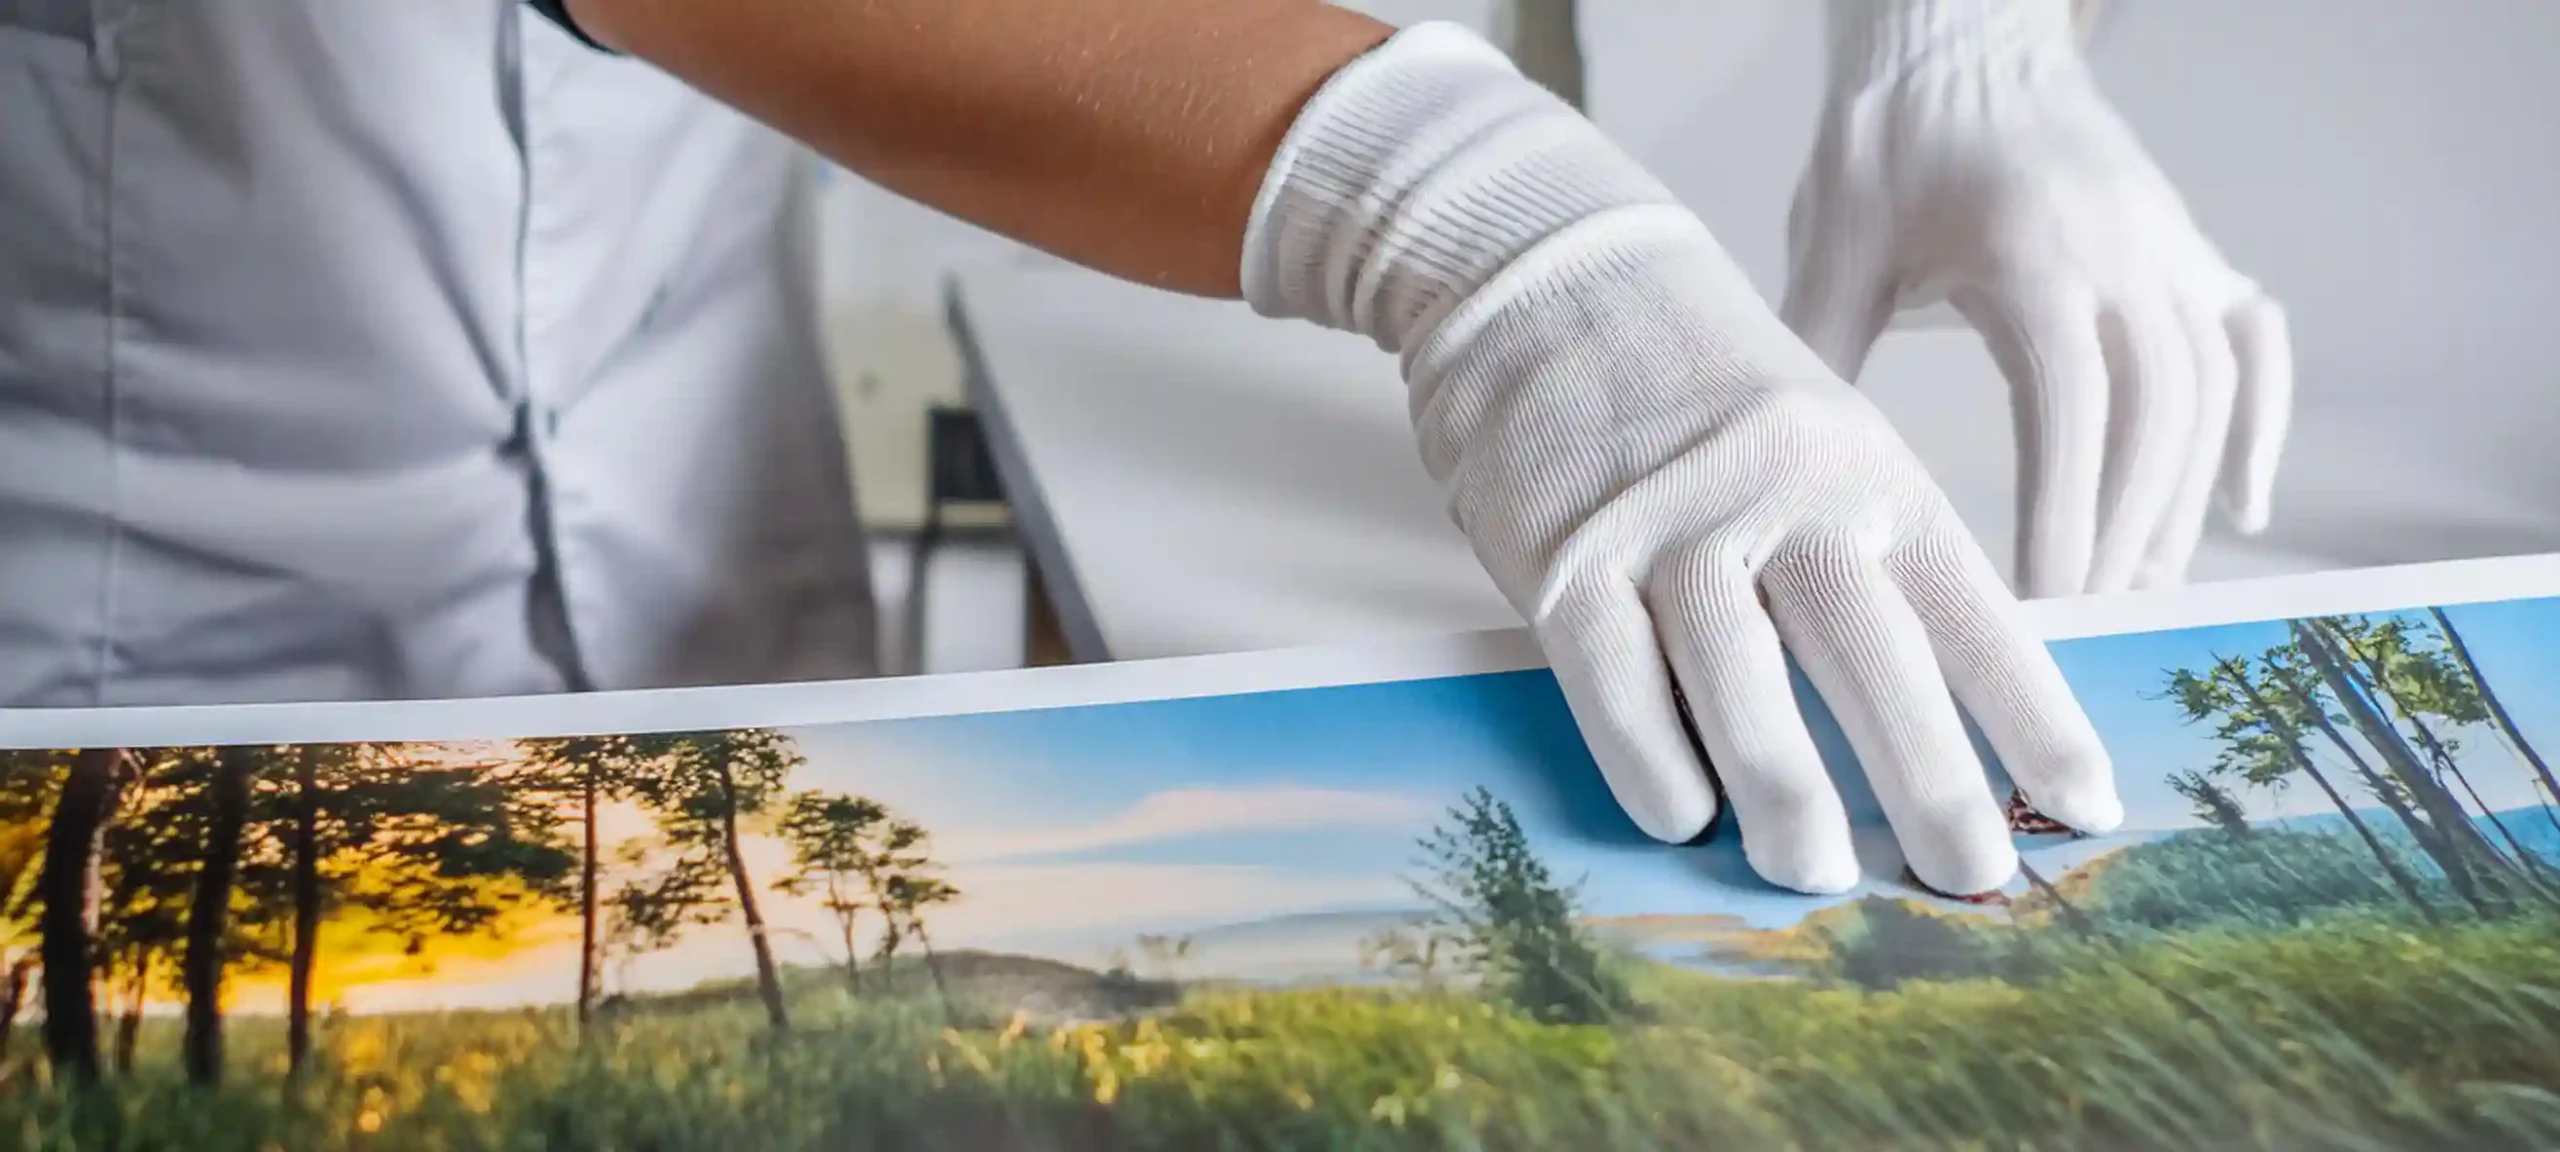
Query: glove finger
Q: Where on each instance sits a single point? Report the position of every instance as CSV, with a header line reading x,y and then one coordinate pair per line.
x,y
1867,653
1733,671
2044,337
2262,410
2006,679
1839,299
2173,546
1600,643
2151,374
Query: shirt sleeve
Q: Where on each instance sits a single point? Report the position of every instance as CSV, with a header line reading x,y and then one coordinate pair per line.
x,y
557,11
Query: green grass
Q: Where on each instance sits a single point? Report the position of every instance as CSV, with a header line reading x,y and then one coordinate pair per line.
x,y
2346,1032
2352,1032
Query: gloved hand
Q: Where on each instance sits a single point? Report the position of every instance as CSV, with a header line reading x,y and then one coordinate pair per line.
x,y
1663,479
1966,155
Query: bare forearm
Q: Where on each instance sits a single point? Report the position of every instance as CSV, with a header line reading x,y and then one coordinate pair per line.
x,y
1128,135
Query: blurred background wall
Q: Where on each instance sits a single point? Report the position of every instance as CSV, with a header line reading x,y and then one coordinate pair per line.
x,y
2384,166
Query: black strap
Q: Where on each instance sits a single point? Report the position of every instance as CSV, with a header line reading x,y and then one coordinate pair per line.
x,y
557,11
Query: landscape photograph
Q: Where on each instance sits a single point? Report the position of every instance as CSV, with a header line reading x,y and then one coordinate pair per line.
x,y
1399,915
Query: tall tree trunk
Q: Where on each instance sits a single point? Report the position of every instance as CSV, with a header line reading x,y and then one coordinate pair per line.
x,y
2423,835
2391,796
2420,834
2498,715
13,998
587,959
768,977
208,914
885,957
2465,848
2536,873
2366,674
2447,768
2525,862
2374,781
67,889
306,910
2400,878
847,914
891,935
932,965
933,968
129,1025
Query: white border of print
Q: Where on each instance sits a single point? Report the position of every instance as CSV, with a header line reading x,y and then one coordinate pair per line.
x,y
842,702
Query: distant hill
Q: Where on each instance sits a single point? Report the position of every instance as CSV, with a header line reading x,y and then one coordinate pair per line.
x,y
1717,942
1653,930
1046,990
1308,946
2531,826
1303,924
1327,946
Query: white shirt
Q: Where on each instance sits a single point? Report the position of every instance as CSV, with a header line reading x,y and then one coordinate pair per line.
x,y
380,350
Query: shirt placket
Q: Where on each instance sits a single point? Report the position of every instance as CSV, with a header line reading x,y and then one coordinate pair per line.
x,y
546,295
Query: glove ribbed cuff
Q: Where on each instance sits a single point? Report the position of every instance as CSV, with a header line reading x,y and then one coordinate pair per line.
x,y
1876,41
1415,175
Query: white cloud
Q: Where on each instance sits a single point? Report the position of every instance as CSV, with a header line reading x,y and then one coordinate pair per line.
x,y
1018,901
1190,812
1004,905
976,812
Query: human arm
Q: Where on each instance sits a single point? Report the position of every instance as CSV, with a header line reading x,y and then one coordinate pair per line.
x,y
1130,136
1663,480
1965,154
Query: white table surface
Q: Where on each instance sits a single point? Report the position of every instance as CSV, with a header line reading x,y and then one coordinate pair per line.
x,y
1191,478
1201,480
1196,479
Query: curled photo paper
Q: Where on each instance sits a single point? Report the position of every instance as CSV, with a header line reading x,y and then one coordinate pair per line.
x,y
1370,898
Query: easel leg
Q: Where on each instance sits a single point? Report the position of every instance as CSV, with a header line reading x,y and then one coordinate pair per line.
x,y
1044,644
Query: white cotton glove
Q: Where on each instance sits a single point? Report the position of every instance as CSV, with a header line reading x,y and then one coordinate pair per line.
x,y
1662,478
1965,155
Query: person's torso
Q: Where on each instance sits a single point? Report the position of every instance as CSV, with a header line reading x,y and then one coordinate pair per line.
x,y
331,333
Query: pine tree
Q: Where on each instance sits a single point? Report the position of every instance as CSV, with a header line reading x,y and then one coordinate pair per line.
x,y
1520,927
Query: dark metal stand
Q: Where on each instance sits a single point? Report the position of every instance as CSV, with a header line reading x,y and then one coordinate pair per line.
x,y
958,470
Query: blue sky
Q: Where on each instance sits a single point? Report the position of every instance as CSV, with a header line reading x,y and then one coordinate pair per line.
x,y
1188,813
2517,644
